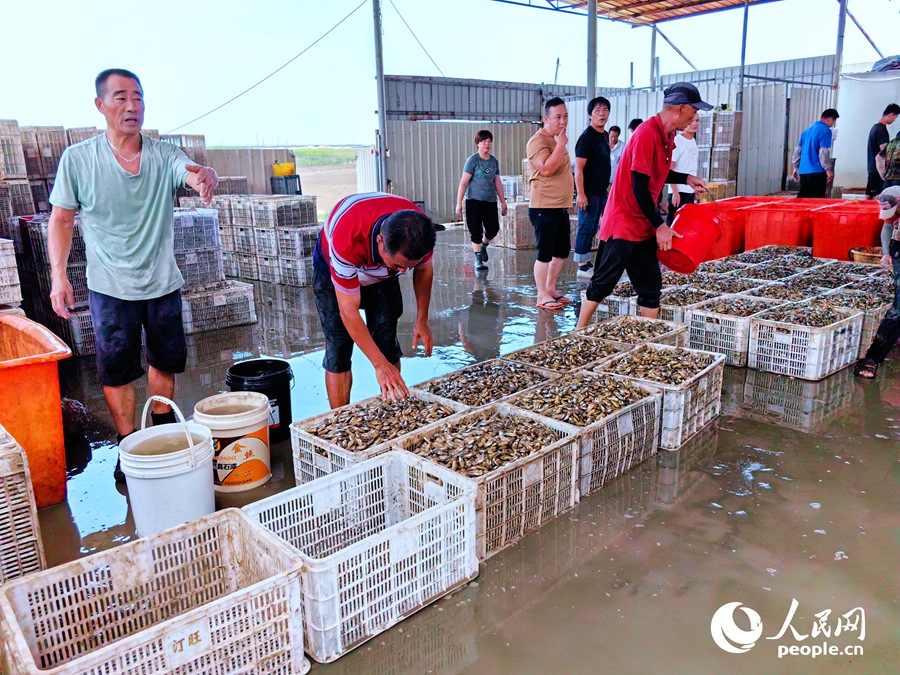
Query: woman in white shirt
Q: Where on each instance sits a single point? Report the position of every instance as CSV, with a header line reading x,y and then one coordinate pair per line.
x,y
685,159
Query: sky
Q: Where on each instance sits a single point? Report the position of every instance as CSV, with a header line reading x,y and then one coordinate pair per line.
x,y
192,57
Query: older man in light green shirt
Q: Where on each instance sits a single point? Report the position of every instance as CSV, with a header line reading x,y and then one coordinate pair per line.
x,y
124,183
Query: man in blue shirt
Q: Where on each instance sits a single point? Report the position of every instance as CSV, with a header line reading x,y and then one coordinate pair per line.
x,y
812,160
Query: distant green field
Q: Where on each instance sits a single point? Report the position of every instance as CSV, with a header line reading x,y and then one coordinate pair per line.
x,y
323,156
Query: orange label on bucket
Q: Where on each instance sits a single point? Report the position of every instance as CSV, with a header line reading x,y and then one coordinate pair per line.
x,y
242,460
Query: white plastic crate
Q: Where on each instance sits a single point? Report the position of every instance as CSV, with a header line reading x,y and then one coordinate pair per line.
x,y
244,240
241,214
266,241
230,264
271,211
217,595
378,541
612,306
11,294
269,269
676,335
523,495
221,305
315,457
872,316
248,266
686,407
798,404
471,386
802,351
673,312
196,228
588,351
202,266
613,444
21,548
80,331
226,236
297,242
222,204
721,332
296,271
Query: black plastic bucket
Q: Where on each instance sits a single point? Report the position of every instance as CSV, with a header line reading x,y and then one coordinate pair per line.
x,y
271,377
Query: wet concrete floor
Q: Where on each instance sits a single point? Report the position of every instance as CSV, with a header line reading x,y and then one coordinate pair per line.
x,y
790,494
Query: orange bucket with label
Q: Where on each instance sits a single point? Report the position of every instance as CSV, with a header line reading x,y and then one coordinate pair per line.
x,y
699,229
239,422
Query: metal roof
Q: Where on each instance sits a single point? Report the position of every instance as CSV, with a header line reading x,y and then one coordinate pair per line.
x,y
639,12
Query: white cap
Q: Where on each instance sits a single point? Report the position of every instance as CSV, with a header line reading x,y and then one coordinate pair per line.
x,y
888,201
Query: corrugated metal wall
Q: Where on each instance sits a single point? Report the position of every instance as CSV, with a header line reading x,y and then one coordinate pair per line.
x,y
761,162
366,170
814,69
807,105
255,163
427,158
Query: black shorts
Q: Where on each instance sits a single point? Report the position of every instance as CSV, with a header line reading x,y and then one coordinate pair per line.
x,y
638,258
383,305
482,219
551,231
874,184
117,329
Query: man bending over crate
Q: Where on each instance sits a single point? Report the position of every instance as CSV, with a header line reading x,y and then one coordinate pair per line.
x,y
124,185
368,241
632,229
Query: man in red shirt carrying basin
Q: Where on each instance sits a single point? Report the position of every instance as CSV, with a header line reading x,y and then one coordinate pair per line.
x,y
632,229
367,242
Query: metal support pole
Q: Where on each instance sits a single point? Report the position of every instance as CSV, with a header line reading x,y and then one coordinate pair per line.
x,y
382,114
865,34
592,50
653,58
677,51
739,103
839,52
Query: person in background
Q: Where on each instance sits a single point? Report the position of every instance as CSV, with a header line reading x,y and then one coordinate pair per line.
x,y
632,230
892,163
369,240
633,125
592,171
888,331
878,140
685,159
124,185
551,198
812,161
616,148
482,187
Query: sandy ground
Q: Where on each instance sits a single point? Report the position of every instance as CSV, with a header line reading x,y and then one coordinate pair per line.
x,y
329,183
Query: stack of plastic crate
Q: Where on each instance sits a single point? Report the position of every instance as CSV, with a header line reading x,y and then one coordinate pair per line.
x,y
79,134
10,288
21,549
194,146
289,221
232,185
197,248
12,157
219,305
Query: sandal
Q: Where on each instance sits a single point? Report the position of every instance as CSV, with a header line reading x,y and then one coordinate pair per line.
x,y
561,299
550,306
866,369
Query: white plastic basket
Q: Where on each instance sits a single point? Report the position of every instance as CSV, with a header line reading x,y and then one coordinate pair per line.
x,y
592,351
686,407
266,242
474,381
872,317
379,541
21,548
523,495
611,307
315,457
217,595
721,332
221,305
676,335
802,351
613,444
672,312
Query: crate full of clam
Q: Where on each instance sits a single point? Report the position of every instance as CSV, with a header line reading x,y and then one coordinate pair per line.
x,y
377,542
722,325
723,266
873,306
353,433
791,290
618,421
568,353
487,382
809,340
525,467
636,330
617,303
674,302
691,381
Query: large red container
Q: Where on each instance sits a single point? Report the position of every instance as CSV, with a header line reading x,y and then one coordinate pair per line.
x,y
732,217
839,227
699,230
784,223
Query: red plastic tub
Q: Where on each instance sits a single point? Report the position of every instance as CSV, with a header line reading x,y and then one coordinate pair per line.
x,y
699,230
30,410
840,227
784,223
732,217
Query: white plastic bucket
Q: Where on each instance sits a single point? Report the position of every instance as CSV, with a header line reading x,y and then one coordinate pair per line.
x,y
239,422
168,488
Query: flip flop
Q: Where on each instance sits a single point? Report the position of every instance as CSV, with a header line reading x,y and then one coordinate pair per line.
x,y
866,370
563,300
551,306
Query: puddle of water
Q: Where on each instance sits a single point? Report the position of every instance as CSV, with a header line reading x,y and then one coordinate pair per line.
x,y
630,579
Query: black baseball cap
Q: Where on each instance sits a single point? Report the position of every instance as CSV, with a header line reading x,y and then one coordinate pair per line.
x,y
684,93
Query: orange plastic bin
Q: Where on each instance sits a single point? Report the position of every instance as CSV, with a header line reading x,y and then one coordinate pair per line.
x,y
30,406
732,215
784,223
840,227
